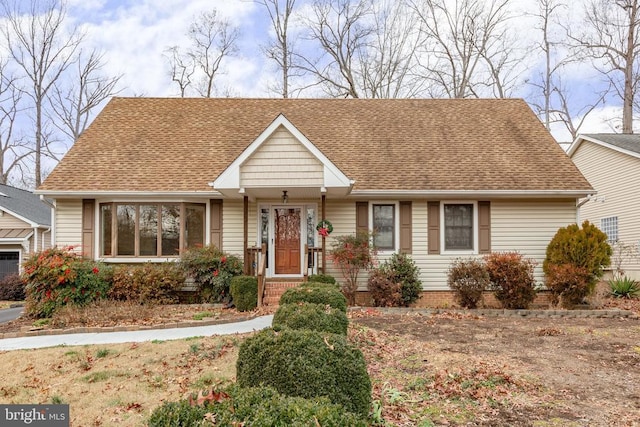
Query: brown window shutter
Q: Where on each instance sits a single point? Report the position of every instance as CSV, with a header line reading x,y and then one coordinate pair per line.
x,y
405,228
362,217
433,227
484,227
216,223
88,215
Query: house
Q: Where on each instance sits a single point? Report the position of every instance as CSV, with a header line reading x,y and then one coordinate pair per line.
x,y
25,227
611,163
438,179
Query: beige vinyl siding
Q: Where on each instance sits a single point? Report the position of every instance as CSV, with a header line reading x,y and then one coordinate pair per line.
x,y
279,161
343,218
68,220
523,226
615,176
9,221
44,240
233,227
529,226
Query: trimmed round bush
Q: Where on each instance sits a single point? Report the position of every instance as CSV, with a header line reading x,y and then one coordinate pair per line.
x,y
306,364
244,291
12,288
468,278
256,407
322,278
315,294
178,414
315,317
322,285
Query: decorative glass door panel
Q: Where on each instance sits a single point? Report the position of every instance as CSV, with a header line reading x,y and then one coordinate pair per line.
x,y
287,240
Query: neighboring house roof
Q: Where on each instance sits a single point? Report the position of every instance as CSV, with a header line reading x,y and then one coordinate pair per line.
x,y
624,143
183,144
24,205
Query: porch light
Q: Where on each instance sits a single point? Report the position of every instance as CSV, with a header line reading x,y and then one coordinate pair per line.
x,y
285,198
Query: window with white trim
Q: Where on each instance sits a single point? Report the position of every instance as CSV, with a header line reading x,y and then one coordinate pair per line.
x,y
609,226
459,227
384,226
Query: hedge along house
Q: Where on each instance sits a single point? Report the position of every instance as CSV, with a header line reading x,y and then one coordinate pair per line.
x,y
438,179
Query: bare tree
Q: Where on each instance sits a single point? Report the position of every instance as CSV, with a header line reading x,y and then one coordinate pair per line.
x,y
13,149
367,48
212,40
613,41
75,100
181,69
467,47
280,50
42,50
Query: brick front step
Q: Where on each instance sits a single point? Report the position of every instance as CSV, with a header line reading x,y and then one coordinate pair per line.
x,y
274,290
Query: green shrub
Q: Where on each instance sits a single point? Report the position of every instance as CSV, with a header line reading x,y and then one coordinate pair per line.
x,y
384,289
585,248
468,278
147,283
323,285
57,277
12,288
256,407
306,364
212,270
322,278
178,414
407,273
568,284
511,277
244,291
315,317
316,295
624,287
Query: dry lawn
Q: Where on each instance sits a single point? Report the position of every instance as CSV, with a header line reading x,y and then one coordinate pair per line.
x,y
447,369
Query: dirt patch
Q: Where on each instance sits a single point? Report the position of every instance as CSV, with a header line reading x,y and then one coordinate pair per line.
x,y
472,370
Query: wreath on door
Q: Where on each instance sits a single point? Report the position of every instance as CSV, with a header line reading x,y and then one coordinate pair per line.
x,y
324,228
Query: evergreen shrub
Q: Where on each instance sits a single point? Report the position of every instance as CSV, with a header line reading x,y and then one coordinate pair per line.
x,y
306,364
315,317
244,291
314,294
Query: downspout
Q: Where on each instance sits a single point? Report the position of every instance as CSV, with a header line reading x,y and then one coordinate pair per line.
x,y
48,230
35,238
579,204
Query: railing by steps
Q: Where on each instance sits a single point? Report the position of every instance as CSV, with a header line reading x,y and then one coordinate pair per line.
x,y
256,265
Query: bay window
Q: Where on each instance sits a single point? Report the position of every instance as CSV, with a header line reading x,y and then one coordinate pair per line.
x,y
150,229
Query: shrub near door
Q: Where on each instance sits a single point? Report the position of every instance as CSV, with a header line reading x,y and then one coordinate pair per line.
x,y
244,291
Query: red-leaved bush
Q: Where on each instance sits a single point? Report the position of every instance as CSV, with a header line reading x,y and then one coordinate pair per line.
x,y
511,277
569,284
468,278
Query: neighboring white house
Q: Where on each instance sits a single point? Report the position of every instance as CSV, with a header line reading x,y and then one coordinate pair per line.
x,y
25,227
438,179
611,163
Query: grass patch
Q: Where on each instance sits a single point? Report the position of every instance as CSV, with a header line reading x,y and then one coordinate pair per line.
x,y
202,315
103,352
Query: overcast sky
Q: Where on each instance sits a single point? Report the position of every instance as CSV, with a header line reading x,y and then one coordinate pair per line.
x,y
135,33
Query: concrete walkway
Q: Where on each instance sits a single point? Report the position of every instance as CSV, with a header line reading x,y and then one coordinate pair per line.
x,y
41,341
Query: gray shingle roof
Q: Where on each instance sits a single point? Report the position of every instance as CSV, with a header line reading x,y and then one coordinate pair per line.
x,y
629,142
26,204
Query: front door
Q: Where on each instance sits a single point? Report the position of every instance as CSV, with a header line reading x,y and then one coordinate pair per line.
x,y
287,240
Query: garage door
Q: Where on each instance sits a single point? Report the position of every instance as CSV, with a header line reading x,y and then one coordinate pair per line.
x,y
9,263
